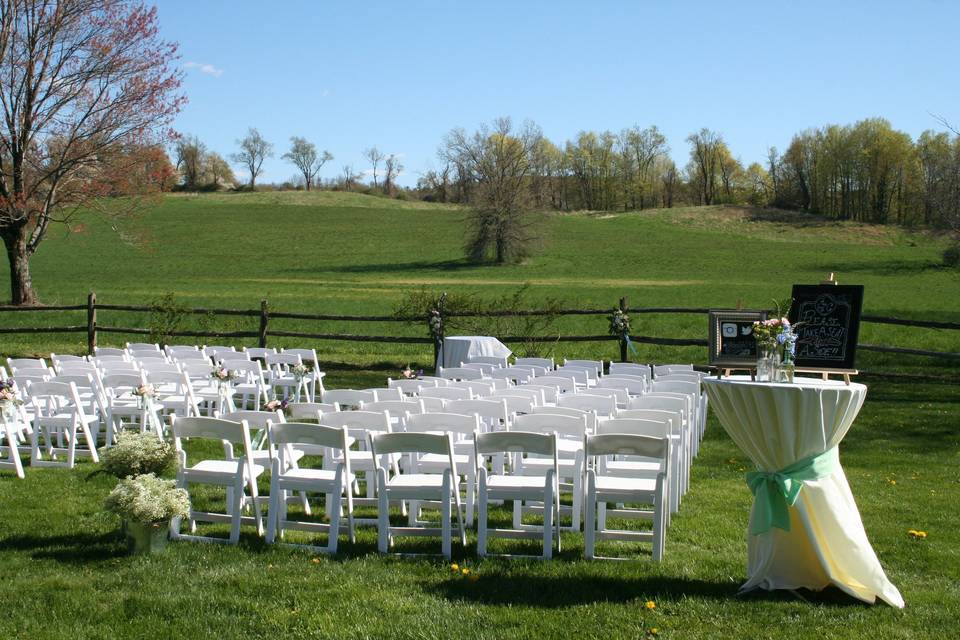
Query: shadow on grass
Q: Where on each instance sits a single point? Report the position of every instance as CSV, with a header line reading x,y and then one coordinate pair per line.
x,y
78,548
390,267
550,592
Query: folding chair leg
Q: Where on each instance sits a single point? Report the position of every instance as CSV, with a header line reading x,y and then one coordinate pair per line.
x,y
482,519
589,518
383,514
548,522
273,515
445,516
335,523
235,510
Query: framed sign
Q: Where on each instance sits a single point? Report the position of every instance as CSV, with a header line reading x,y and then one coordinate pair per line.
x,y
826,319
732,344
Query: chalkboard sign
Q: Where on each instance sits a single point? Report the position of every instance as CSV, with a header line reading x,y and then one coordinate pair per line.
x,y
826,319
732,344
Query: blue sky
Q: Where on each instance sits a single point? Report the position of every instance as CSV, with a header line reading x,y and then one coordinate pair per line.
x,y
399,75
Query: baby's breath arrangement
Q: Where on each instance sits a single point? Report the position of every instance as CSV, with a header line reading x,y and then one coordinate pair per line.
x,y
147,499
135,454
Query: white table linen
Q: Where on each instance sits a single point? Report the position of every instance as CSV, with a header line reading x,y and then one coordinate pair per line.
x,y
457,349
777,425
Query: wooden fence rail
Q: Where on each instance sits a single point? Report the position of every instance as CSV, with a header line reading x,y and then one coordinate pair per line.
x,y
265,315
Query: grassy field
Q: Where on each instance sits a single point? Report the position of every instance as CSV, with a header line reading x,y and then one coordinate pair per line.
x,y
63,572
348,253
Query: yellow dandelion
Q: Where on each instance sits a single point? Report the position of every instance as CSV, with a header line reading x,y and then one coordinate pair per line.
x,y
891,481
454,567
651,604
921,534
465,571
653,631
315,560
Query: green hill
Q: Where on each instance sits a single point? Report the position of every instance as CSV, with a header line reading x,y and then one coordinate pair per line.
x,y
349,253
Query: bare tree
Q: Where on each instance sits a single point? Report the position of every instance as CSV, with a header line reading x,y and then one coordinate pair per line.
x,y
83,85
191,159
705,159
391,169
497,160
254,149
303,154
348,177
374,155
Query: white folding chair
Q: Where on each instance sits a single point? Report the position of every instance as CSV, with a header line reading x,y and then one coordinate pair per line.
x,y
535,395
333,483
492,360
250,387
630,368
174,393
124,408
300,411
633,385
409,387
417,487
679,448
280,376
620,396
549,393
502,486
238,475
596,366
461,428
570,431
109,351
480,388
670,368
397,409
60,417
603,488
12,427
565,383
603,406
546,363
314,378
580,414
582,376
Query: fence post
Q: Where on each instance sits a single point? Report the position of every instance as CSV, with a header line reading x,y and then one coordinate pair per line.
x,y
91,323
623,342
264,319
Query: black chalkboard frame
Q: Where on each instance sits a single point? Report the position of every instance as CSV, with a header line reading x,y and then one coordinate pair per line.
x,y
805,292
719,316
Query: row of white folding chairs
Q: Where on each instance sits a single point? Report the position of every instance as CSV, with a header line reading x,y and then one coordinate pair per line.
x,y
436,455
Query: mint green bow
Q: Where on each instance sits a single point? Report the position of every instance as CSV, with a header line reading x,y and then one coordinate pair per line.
x,y
774,491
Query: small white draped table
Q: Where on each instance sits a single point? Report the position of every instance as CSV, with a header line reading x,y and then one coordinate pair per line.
x,y
781,424
457,349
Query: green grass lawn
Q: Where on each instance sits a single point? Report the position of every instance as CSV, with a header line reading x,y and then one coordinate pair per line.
x,y
63,572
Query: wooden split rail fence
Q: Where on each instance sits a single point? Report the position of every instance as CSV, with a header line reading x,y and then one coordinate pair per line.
x,y
93,329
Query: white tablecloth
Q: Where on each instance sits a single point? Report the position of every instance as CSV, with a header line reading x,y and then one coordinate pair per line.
x,y
457,349
777,425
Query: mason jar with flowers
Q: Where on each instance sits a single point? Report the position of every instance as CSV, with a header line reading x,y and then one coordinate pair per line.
x,y
8,401
776,345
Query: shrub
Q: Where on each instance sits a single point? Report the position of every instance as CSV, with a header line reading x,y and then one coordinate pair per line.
x,y
951,255
147,498
135,454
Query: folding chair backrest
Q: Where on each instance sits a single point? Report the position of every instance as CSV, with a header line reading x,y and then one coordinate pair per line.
x,y
459,373
385,443
143,346
436,380
433,404
118,367
535,395
280,362
620,396
410,386
446,393
566,426
655,415
102,360
610,444
213,349
549,393
382,394
109,351
255,419
663,401
565,383
348,397
259,352
478,387
671,368
197,370
630,368
580,375
395,407
489,409
66,358
51,396
309,434
31,376
636,426
124,381
544,444
157,367
359,423
190,356
494,360
181,348
604,406
533,369
675,386
546,363
310,410
308,356
479,366
515,403
449,422
210,428
74,367
589,416
231,356
513,374
595,365
25,364
633,385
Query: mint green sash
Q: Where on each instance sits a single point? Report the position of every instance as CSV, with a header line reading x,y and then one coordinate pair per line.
x,y
773,492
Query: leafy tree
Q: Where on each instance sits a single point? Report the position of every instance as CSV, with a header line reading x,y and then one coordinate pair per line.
x,y
254,149
303,154
217,170
86,84
191,161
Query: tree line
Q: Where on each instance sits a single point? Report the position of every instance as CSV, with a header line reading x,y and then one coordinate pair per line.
x,y
867,171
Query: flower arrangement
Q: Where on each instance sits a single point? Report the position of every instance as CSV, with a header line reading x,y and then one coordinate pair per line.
x,y
435,323
768,332
300,371
223,375
619,323
135,454
8,397
144,391
147,499
276,405
409,374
